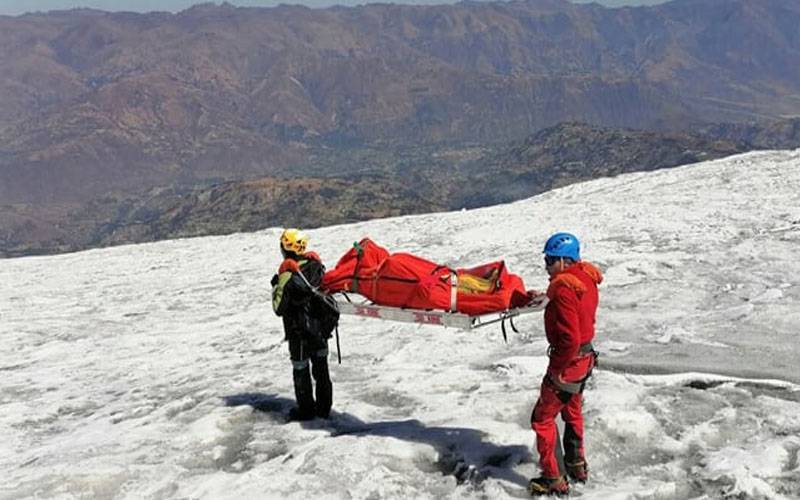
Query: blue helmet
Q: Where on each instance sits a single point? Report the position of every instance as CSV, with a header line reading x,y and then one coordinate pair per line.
x,y
563,245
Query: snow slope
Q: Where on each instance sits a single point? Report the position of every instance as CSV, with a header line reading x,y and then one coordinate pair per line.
x,y
158,370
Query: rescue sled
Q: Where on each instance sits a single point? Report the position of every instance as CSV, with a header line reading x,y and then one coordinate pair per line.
x,y
457,320
405,287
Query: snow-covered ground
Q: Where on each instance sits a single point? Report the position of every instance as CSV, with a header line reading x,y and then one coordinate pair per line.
x,y
158,370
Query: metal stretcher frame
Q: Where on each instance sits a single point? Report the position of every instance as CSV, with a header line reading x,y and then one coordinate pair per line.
x,y
436,317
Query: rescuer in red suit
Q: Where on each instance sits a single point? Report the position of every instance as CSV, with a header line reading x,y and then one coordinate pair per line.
x,y
569,320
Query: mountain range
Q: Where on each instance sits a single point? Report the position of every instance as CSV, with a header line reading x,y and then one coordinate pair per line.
x,y
96,102
120,127
420,182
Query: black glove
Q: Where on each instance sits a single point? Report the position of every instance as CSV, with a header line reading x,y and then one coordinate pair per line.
x,y
274,280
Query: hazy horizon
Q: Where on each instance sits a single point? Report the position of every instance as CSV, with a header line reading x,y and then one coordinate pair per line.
x,y
16,7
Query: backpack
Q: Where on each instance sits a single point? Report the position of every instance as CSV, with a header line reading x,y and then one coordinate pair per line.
x,y
322,306
326,311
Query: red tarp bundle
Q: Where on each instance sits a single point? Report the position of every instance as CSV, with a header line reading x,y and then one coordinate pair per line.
x,y
405,280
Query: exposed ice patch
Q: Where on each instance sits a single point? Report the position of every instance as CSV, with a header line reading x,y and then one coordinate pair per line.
x,y
679,335
770,295
614,348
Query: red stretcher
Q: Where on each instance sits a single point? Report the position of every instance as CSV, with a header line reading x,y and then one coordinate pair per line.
x,y
405,287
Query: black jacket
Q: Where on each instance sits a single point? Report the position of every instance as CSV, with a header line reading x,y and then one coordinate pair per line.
x,y
295,301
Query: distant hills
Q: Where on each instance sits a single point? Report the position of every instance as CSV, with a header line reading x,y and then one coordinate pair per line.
x,y
432,181
95,102
120,127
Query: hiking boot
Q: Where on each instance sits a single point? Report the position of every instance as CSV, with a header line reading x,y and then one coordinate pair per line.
x,y
298,415
578,471
548,486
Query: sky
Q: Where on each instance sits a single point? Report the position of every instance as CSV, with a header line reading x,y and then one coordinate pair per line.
x,y
16,7
159,371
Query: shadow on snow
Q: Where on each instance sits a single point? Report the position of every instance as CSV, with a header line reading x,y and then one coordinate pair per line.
x,y
462,452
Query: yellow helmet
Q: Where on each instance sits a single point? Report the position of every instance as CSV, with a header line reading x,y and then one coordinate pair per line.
x,y
292,240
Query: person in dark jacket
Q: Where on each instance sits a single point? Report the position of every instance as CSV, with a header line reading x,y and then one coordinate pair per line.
x,y
293,290
569,320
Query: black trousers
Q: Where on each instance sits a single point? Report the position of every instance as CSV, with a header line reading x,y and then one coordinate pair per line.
x,y
310,359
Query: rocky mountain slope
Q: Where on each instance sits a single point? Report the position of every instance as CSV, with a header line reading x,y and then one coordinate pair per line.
x,y
96,102
574,152
430,182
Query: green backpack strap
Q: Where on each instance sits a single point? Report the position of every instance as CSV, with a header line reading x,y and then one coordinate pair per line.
x,y
360,253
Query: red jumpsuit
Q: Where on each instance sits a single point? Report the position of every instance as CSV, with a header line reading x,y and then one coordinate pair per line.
x,y
569,324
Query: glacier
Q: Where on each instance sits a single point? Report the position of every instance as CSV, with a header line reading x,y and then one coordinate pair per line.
x,y
158,370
